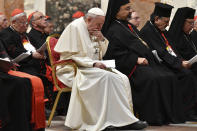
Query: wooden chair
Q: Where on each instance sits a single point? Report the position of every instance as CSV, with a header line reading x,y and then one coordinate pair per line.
x,y
54,60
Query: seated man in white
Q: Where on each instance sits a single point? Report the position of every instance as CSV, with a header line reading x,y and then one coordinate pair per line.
x,y
99,98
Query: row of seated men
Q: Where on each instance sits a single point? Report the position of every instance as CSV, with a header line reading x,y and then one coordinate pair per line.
x,y
159,85
23,93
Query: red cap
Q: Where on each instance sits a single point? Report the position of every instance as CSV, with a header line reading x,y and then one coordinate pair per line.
x,y
16,13
48,17
78,14
30,16
195,18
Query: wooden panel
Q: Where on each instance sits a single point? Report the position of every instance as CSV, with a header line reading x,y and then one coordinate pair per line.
x,y
10,5
2,6
144,8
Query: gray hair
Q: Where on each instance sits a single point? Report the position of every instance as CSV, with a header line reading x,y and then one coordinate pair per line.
x,y
90,15
17,16
31,20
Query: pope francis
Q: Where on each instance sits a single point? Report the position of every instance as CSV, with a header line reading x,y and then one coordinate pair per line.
x,y
99,98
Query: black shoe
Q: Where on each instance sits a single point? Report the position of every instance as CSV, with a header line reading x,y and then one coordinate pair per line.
x,y
139,125
110,128
192,118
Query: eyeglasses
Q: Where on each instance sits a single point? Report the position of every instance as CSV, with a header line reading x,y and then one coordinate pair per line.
x,y
22,23
39,18
190,22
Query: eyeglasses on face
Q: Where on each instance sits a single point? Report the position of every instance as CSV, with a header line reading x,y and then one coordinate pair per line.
x,y
189,22
22,23
39,18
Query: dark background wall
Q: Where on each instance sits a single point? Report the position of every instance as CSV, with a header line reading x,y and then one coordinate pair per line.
x,y
61,10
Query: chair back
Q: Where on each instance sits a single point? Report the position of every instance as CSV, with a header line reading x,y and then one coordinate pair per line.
x,y
53,55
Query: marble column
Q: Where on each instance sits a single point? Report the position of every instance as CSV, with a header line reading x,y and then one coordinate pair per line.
x,y
104,4
40,5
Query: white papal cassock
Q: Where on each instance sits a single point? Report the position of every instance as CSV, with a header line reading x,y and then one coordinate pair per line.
x,y
99,98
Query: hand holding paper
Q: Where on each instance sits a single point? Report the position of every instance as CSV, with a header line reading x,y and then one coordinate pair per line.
x,y
42,48
108,63
5,65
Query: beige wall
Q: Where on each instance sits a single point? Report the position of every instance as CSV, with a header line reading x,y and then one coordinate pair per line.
x,y
7,6
143,7
2,6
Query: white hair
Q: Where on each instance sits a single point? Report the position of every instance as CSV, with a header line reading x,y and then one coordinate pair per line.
x,y
17,16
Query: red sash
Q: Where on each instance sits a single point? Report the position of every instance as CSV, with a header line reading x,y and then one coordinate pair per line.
x,y
38,108
134,68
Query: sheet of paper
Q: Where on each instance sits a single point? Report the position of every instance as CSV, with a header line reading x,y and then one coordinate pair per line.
x,y
5,65
108,63
21,57
156,55
193,60
42,48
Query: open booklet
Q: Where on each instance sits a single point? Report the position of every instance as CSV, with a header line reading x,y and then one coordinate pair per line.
x,y
193,60
27,54
21,57
5,64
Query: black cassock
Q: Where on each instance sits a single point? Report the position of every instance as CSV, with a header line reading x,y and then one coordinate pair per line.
x,y
13,44
15,101
194,37
155,89
186,47
37,38
153,36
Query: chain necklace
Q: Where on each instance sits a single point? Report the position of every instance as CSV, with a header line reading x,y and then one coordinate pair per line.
x,y
133,33
157,32
191,43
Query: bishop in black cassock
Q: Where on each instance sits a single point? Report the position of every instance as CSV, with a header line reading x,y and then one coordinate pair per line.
x,y
155,89
158,39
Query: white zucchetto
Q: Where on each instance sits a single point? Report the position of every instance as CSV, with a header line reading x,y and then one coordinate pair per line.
x,y
96,11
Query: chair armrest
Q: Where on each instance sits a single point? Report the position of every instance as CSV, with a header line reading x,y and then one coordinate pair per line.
x,y
66,62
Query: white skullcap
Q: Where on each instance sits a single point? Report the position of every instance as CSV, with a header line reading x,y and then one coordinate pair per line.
x,y
96,11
